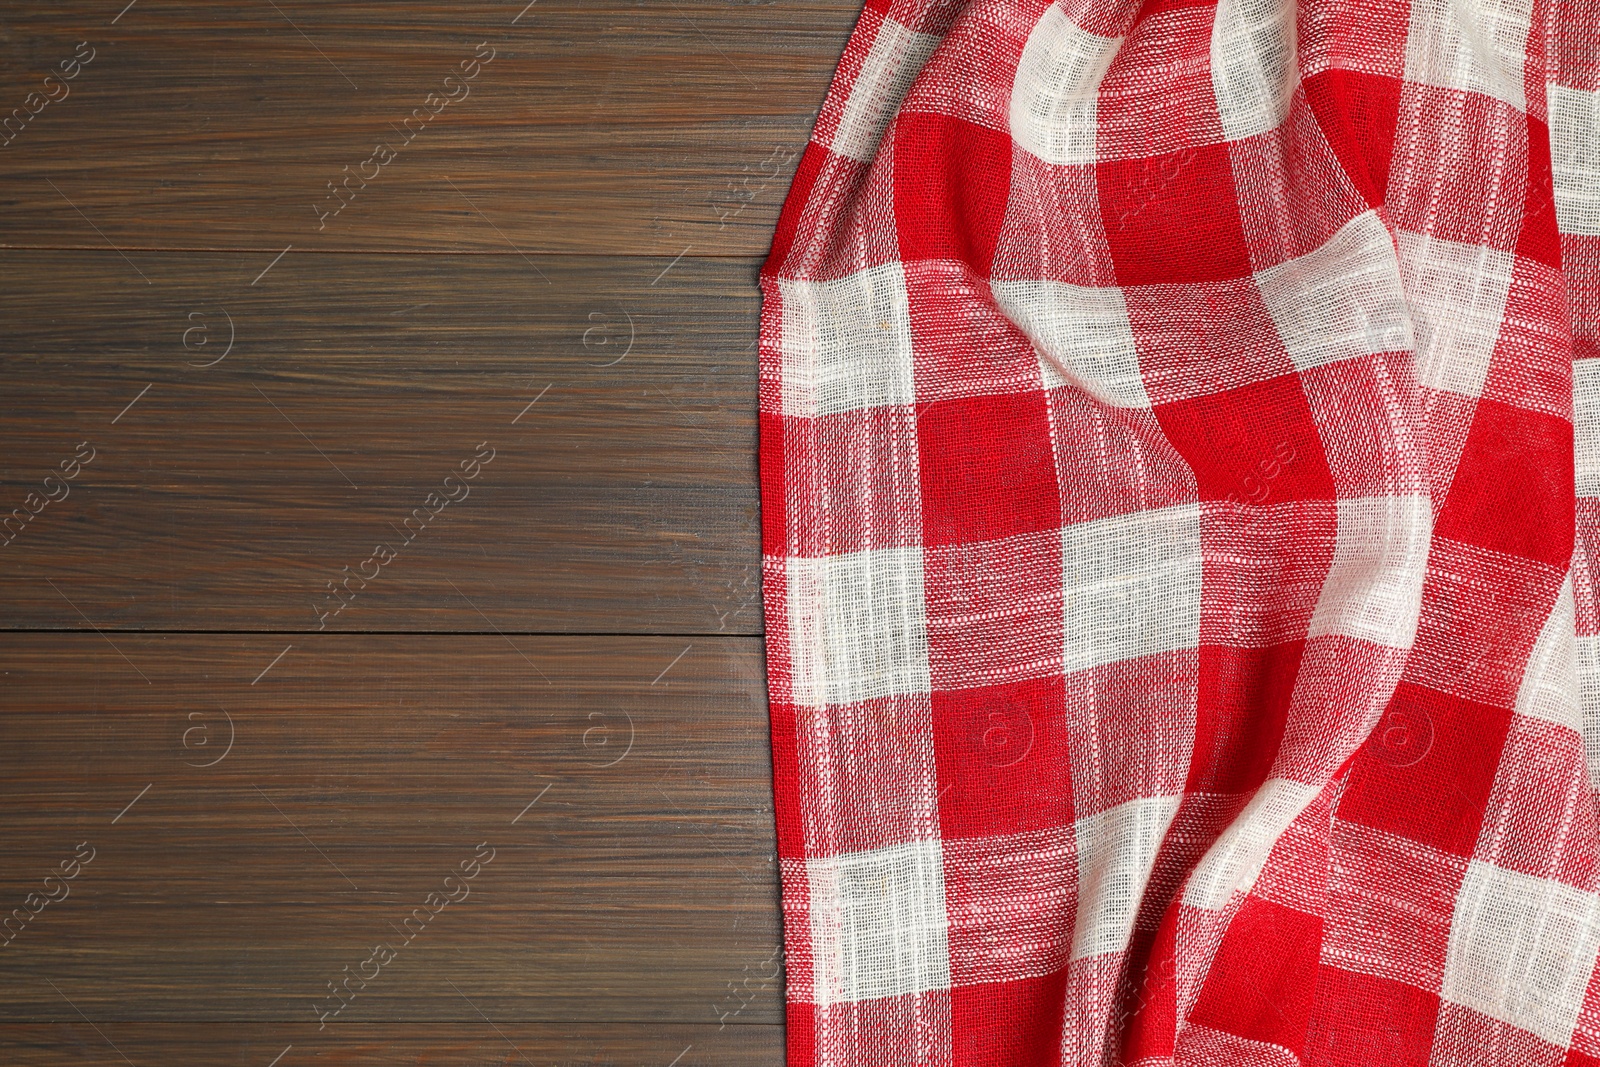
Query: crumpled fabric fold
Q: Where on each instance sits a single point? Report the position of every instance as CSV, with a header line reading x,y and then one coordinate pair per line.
x,y
1180,475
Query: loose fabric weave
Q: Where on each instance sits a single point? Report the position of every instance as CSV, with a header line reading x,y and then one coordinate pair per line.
x,y
1182,633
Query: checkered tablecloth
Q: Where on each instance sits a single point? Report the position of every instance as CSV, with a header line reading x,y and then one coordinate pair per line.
x,y
1183,645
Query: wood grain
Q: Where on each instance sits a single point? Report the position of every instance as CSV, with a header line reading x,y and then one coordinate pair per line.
x,y
618,784
611,127
468,1044
622,500
563,664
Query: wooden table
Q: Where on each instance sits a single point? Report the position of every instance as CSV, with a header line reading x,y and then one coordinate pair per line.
x,y
381,655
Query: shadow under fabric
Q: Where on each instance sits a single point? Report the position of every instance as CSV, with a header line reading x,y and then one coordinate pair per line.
x,y
1182,640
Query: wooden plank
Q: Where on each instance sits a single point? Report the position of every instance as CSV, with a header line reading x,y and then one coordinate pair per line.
x,y
388,1044
242,480
613,127
607,796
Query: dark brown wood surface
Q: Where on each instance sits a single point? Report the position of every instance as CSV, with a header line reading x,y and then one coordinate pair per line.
x,y
363,769
559,660
483,1044
613,128
229,495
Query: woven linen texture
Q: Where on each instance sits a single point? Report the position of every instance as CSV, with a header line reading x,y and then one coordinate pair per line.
x,y
1180,457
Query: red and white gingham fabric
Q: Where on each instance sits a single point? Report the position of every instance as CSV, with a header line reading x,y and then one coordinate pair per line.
x,y
1179,647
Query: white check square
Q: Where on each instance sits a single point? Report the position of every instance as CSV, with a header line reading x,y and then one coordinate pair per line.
x,y
878,923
